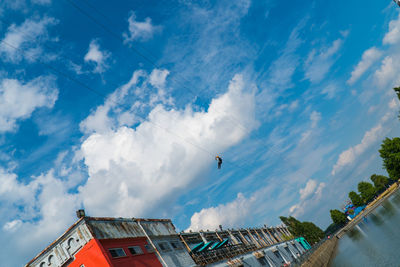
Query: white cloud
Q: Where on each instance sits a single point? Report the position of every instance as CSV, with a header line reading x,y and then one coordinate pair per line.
x,y
145,166
18,100
308,189
350,155
139,30
368,58
158,78
98,57
100,120
12,225
387,73
41,2
33,213
228,215
394,103
25,37
330,91
315,117
310,195
319,63
393,35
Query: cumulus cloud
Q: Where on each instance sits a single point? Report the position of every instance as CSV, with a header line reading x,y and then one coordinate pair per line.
x,y
393,35
18,99
25,37
158,78
309,195
101,120
308,190
145,166
228,215
139,30
319,63
97,57
33,213
368,58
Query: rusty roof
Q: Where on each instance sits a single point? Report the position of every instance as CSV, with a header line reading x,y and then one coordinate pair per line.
x,y
112,228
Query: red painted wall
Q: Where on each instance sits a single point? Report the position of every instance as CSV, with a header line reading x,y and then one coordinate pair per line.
x,y
143,260
91,255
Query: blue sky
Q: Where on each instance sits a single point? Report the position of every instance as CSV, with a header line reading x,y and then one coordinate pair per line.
x,y
120,108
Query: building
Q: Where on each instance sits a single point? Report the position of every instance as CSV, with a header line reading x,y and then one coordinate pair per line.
x,y
265,246
98,242
122,242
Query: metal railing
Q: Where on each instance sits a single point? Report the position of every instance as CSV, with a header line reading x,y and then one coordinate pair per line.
x,y
229,252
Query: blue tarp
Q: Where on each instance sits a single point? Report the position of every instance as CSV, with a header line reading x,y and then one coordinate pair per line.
x,y
222,243
206,246
196,247
357,211
215,245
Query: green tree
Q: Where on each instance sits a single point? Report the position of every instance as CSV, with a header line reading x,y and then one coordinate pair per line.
x,y
308,230
390,153
338,217
380,182
356,199
367,191
397,90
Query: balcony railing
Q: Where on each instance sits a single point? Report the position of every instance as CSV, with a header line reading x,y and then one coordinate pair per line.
x,y
206,257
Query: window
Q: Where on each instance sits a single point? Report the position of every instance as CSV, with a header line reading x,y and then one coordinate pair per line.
x,y
176,244
279,256
263,261
149,248
117,252
135,250
164,246
288,251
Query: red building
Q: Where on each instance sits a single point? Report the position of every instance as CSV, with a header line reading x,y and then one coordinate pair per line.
x,y
98,242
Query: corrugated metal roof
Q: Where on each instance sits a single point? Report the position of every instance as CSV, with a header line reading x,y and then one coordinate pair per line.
x,y
161,228
110,228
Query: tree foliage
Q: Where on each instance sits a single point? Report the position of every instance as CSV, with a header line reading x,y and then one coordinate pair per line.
x,y
338,217
397,90
390,153
356,199
380,182
367,191
308,230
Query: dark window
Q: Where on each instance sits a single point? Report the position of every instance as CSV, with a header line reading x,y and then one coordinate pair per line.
x,y
117,252
279,256
288,251
263,261
149,248
164,246
135,250
176,245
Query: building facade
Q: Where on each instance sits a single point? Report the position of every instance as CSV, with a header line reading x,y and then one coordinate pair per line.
x,y
121,242
98,242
